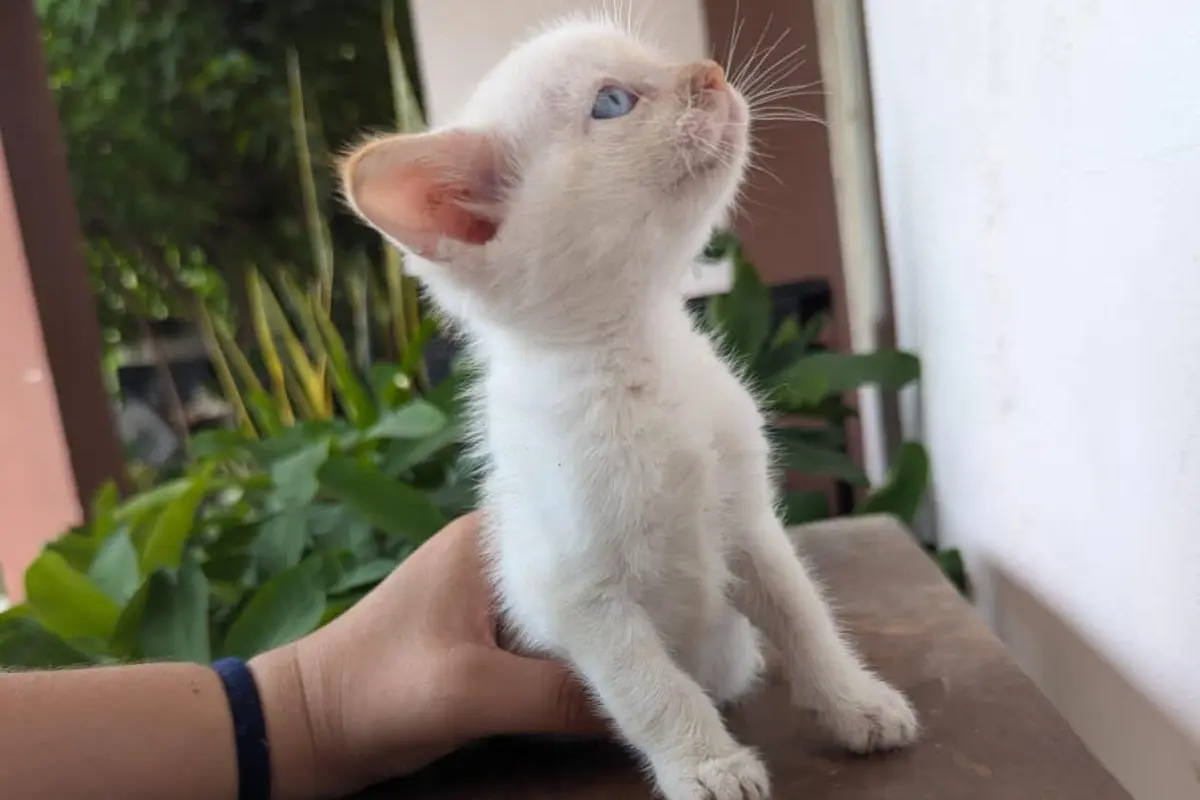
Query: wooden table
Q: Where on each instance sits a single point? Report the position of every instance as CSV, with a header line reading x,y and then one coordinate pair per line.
x,y
989,733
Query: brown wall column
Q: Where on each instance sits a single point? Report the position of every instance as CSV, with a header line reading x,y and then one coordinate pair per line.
x,y
789,225
788,219
57,438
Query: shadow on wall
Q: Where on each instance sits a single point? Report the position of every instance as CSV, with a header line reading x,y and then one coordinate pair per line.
x,y
1134,738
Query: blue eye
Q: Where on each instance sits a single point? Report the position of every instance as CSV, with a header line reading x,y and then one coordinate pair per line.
x,y
612,102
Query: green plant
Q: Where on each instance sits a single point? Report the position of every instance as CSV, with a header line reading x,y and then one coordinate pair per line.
x,y
805,387
339,465
309,370
260,542
180,141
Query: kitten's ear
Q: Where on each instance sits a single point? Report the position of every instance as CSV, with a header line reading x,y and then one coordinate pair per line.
x,y
425,189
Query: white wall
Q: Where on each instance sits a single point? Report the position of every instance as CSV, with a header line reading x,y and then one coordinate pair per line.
x,y
1040,169
458,41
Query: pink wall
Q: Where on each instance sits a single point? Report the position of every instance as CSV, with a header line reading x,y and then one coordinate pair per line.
x,y
57,439
37,490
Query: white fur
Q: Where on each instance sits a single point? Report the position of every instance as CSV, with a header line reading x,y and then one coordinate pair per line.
x,y
629,501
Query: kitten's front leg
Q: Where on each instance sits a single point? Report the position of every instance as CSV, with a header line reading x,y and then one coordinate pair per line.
x,y
656,706
781,598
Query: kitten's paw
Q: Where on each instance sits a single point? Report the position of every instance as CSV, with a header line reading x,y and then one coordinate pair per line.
x,y
738,776
873,717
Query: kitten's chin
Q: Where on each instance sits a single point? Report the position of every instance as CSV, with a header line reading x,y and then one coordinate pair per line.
x,y
723,158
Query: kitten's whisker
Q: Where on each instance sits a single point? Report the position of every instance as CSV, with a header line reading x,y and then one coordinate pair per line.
x,y
778,81
773,102
639,25
780,111
759,168
765,75
760,151
737,79
778,73
782,71
796,114
759,59
738,23
813,118
781,92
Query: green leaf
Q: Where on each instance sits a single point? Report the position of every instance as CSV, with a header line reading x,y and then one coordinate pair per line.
x,y
455,497
24,644
223,444
338,606
743,316
810,334
813,377
285,608
355,398
414,357
391,506
266,414
281,540
234,540
803,507
448,394
168,537
790,343
103,511
390,384
292,440
115,568
787,332
77,547
405,454
136,508
337,528
951,563
902,493
65,602
812,459
826,436
174,623
229,570
722,244
295,475
415,420
125,641
367,574
803,393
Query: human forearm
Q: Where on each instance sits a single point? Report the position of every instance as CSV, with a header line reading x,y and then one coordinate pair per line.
x,y
144,731
407,675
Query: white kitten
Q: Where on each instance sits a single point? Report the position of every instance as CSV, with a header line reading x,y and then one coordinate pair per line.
x,y
628,495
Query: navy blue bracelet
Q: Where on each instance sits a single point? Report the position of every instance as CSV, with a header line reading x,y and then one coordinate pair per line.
x,y
249,729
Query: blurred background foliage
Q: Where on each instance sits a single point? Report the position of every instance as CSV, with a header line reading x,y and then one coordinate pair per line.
x,y
178,122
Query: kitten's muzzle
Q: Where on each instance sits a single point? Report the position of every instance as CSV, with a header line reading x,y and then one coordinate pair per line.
x,y
704,81
706,76
711,125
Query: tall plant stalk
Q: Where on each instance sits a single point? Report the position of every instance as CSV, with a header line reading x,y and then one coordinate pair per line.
x,y
405,296
310,370
318,230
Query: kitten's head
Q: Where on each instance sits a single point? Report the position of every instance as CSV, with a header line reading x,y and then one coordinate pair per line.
x,y
584,174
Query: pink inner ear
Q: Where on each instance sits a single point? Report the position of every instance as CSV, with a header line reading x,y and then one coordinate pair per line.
x,y
446,206
421,189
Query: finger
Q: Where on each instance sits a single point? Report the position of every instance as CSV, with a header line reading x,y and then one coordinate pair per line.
x,y
528,695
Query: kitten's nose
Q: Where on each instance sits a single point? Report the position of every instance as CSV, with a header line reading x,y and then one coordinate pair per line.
x,y
706,75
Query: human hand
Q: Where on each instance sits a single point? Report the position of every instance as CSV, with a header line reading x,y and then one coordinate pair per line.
x,y
410,673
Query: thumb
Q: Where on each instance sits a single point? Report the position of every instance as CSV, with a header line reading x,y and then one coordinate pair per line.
x,y
529,695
